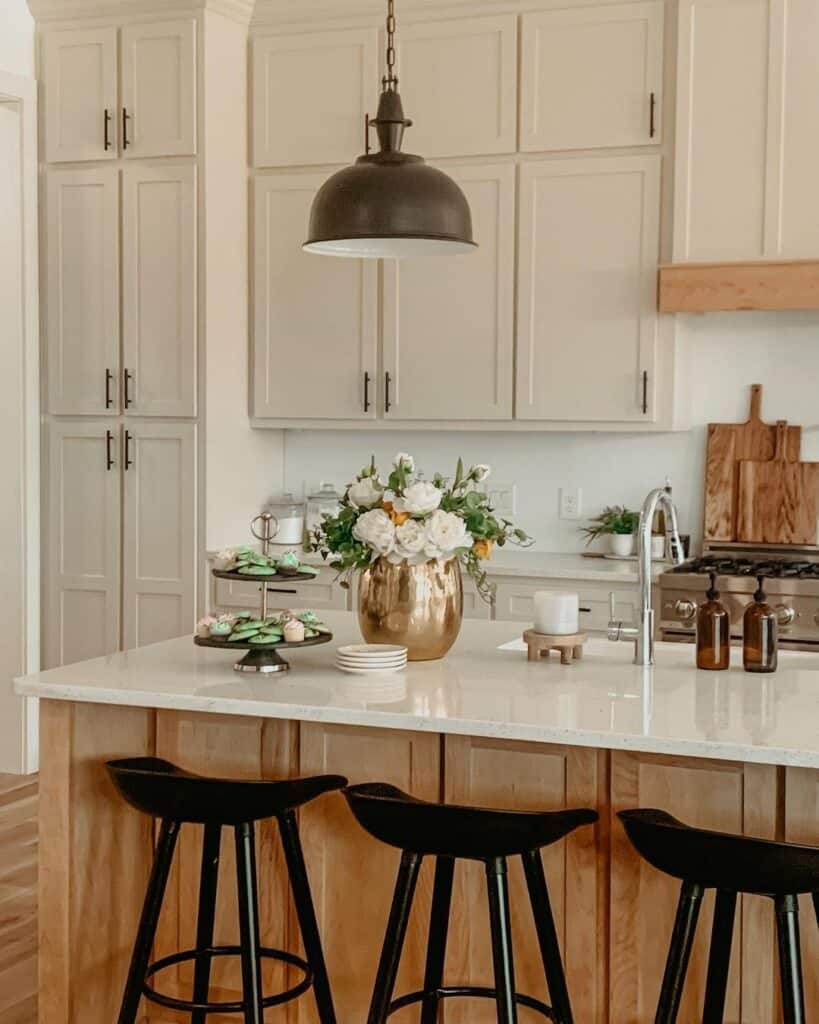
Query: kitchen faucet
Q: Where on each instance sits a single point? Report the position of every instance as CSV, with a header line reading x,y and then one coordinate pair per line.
x,y
643,633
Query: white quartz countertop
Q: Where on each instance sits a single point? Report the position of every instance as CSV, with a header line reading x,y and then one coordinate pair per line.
x,y
479,690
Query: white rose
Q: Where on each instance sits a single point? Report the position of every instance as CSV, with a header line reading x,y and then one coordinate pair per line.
x,y
376,530
445,534
421,498
365,493
482,471
410,541
405,460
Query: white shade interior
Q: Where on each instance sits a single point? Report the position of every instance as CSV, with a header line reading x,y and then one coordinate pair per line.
x,y
387,248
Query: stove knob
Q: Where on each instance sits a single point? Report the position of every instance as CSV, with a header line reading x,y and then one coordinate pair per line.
x,y
687,610
784,615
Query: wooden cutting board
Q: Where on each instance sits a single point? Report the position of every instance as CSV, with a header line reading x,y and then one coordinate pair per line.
x,y
728,445
778,499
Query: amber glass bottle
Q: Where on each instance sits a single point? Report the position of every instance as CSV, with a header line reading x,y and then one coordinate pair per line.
x,y
759,638
713,631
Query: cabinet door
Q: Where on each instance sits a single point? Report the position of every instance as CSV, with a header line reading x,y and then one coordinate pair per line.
x,y
315,325
311,92
515,601
159,89
159,290
79,74
722,125
587,289
82,290
448,321
802,826
592,77
159,536
319,593
82,575
459,85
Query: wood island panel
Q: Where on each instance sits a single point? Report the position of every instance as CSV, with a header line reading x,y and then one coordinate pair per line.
x,y
801,825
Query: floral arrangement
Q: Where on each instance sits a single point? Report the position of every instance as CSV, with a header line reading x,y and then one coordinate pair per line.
x,y
409,519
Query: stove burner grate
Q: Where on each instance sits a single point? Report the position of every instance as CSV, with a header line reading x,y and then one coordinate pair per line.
x,y
773,568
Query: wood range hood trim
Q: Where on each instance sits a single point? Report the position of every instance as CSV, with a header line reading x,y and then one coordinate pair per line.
x,y
746,285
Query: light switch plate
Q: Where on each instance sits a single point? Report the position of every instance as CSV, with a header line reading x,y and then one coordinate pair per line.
x,y
571,502
503,498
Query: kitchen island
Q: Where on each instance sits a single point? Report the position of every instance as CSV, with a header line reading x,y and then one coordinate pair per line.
x,y
484,726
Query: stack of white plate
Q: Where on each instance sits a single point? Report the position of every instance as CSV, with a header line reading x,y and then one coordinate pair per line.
x,y
365,659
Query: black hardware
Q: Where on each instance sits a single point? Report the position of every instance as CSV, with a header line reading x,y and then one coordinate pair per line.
x,y
127,378
109,450
128,461
367,133
109,380
652,106
387,382
106,122
366,392
645,392
126,117
280,590
587,611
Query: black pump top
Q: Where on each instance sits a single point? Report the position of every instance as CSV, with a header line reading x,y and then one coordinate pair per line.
x,y
760,596
712,593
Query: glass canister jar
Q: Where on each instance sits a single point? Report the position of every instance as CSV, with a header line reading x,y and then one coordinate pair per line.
x,y
289,513
325,500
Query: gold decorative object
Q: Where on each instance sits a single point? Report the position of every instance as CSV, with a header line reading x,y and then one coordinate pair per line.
x,y
419,606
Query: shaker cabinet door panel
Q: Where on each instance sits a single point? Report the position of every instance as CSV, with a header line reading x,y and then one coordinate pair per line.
x,y
83,542
79,74
159,290
587,321
448,320
159,89
588,76
82,290
458,81
159,531
311,92
330,302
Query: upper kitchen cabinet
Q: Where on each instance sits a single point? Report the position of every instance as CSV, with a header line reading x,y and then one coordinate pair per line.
x,y
315,318
80,92
159,290
159,89
450,318
311,94
153,113
458,81
591,77
82,290
587,292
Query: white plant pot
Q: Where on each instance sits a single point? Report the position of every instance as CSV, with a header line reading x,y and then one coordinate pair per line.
x,y
621,544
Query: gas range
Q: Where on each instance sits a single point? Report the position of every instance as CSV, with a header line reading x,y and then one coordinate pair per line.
x,y
791,583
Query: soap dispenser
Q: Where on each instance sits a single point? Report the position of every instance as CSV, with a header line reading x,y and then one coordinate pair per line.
x,y
713,631
759,639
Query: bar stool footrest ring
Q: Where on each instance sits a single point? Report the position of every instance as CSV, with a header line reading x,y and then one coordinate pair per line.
x,y
229,1007
474,992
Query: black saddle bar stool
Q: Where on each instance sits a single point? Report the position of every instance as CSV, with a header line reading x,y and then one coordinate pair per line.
x,y
448,833
731,864
162,790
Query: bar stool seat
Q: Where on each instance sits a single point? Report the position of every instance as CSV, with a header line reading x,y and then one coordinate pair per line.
x,y
165,791
450,832
731,864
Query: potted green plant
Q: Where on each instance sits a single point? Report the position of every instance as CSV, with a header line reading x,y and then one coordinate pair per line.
x,y
619,525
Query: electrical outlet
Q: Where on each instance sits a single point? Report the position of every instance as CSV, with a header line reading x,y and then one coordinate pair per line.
x,y
503,498
571,502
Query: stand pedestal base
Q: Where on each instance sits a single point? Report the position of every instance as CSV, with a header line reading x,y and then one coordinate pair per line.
x,y
262,661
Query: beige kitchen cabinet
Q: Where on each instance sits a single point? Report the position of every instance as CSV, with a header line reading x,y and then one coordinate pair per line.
x,y
515,600
82,580
587,289
591,77
80,93
82,290
159,549
450,319
472,61
311,92
315,318
159,89
159,336
323,592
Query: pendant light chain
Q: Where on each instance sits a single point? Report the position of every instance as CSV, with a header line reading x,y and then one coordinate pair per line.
x,y
391,79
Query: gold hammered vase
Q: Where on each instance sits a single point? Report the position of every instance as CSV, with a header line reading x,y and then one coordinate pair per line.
x,y
419,606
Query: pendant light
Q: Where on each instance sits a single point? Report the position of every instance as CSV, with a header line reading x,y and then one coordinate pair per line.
x,y
389,204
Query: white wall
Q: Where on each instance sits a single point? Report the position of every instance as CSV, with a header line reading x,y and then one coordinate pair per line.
x,y
728,352
16,38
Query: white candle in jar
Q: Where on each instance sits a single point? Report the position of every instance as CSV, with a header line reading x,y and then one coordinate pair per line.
x,y
556,612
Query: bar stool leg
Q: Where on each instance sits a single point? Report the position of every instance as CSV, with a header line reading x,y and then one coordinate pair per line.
x,y
438,928
163,857
300,884
208,881
394,938
679,953
547,936
719,957
500,925
249,923
790,962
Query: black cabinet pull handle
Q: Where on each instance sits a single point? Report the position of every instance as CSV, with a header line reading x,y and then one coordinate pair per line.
x,y
587,611
387,382
128,460
652,107
126,117
109,450
280,590
366,392
645,392
109,380
366,133
127,378
106,129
